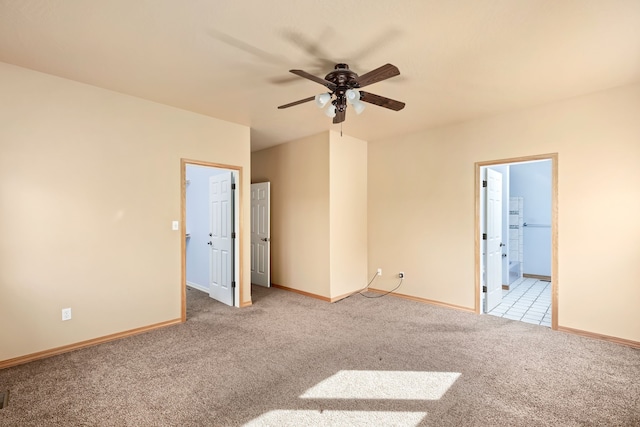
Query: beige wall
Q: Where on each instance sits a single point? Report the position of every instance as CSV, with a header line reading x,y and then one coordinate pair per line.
x,y
348,213
299,176
89,185
421,205
90,181
318,212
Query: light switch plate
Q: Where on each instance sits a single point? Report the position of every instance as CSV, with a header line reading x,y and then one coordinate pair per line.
x,y
175,225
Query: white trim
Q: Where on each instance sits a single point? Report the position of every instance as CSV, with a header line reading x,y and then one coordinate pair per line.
x,y
198,287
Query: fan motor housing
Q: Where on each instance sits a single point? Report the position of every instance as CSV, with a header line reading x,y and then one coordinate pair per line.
x,y
343,77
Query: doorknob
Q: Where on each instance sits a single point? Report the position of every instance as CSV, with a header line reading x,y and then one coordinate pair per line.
x,y
266,239
209,243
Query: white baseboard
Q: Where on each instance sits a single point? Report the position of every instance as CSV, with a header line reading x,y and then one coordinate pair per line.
x,y
198,287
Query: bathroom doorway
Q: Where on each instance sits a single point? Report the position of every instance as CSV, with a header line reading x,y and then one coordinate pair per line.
x,y
516,244
212,231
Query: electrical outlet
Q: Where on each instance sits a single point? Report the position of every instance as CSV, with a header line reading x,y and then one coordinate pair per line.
x,y
379,272
66,314
401,275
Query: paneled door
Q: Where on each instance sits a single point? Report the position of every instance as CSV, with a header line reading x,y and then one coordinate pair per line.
x,y
493,228
260,234
221,241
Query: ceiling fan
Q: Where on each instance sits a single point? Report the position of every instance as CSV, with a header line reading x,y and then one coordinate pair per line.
x,y
344,86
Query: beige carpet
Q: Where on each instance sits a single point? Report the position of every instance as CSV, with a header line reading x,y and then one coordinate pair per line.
x,y
294,360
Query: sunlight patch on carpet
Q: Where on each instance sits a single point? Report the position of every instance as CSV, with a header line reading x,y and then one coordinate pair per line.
x,y
396,385
283,417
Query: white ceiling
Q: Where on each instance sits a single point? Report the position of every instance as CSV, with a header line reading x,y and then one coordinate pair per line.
x,y
459,59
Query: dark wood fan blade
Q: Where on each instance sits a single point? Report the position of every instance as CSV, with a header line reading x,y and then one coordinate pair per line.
x,y
377,75
340,116
311,77
314,48
389,103
374,45
302,101
253,50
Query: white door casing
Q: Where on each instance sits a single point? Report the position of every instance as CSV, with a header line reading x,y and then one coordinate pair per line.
x,y
493,230
260,234
221,241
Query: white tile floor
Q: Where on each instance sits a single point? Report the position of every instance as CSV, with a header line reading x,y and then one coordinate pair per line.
x,y
527,300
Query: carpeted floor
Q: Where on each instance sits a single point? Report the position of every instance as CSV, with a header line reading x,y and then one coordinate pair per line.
x,y
294,360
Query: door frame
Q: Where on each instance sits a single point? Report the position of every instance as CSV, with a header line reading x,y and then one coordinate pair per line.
x,y
183,229
554,228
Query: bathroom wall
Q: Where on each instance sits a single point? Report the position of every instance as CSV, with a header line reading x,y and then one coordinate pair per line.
x,y
532,182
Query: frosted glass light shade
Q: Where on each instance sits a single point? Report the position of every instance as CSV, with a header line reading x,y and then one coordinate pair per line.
x,y
353,95
358,106
322,99
330,111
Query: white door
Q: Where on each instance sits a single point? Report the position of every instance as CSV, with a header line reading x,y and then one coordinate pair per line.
x,y
260,230
221,241
493,230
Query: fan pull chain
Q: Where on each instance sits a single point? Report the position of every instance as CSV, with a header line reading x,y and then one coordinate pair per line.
x,y
340,129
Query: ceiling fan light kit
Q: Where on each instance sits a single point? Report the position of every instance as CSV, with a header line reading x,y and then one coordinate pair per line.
x,y
344,86
353,98
331,111
323,99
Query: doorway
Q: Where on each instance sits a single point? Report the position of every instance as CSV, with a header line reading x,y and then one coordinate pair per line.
x,y
503,268
211,231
